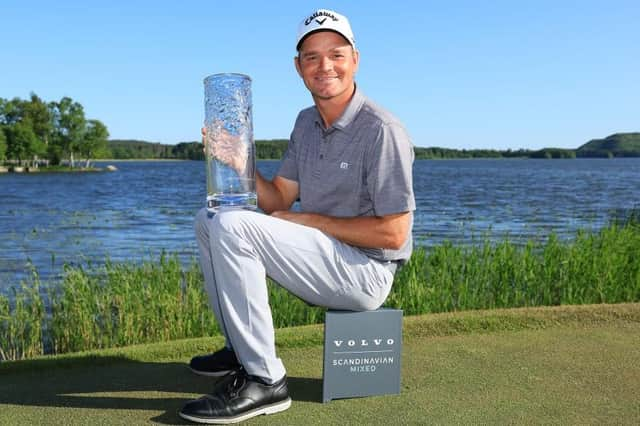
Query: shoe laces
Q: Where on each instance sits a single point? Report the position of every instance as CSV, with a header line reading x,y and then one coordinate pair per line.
x,y
236,384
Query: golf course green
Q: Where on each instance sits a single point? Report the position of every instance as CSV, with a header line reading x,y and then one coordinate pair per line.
x,y
560,365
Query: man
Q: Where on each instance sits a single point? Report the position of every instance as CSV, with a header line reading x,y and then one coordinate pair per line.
x,y
349,163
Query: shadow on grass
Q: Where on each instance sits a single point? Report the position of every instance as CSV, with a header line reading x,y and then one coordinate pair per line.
x,y
119,383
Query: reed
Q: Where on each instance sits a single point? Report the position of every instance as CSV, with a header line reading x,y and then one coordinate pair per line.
x,y
598,267
123,304
22,319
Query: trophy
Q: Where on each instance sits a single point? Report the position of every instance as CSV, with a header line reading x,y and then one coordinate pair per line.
x,y
229,145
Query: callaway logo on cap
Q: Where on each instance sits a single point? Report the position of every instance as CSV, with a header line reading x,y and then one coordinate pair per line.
x,y
325,20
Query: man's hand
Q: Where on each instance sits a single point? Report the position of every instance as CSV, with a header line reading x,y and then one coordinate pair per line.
x,y
225,147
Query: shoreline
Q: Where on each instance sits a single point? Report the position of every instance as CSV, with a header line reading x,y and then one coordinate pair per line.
x,y
123,160
29,170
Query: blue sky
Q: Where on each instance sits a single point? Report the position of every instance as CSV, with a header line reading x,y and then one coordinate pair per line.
x,y
459,74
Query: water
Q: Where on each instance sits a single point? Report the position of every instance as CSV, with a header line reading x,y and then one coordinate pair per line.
x,y
228,189
231,184
462,200
145,208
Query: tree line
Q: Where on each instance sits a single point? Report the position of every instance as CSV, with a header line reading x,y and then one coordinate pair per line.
x,y
135,149
33,131
618,145
274,150
433,153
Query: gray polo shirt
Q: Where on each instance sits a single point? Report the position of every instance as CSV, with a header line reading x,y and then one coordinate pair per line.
x,y
360,166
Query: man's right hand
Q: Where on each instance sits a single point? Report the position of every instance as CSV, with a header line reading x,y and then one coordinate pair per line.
x,y
225,147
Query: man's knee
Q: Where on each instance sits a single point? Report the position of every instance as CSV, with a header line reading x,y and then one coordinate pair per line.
x,y
207,223
235,222
201,223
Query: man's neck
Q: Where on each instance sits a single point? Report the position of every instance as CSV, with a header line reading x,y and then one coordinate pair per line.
x,y
331,109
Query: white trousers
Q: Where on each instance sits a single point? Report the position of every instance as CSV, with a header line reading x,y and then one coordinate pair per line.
x,y
239,248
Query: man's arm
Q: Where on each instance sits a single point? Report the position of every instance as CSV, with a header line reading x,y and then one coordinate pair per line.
x,y
388,232
278,194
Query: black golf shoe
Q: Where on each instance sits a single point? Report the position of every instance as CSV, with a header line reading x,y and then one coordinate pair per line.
x,y
216,364
238,397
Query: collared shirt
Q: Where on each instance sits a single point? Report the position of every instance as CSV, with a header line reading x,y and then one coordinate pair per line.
x,y
360,166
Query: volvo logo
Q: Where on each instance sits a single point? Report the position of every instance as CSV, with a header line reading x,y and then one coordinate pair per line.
x,y
364,343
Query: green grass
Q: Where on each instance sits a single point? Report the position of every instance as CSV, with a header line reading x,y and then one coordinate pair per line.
x,y
124,304
561,365
598,267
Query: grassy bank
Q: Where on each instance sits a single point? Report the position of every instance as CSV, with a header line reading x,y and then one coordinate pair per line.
x,y
559,365
123,304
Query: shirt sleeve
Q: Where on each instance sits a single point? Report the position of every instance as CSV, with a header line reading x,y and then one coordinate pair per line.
x,y
390,171
288,166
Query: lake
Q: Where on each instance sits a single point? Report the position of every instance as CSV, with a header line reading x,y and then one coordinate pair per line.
x,y
133,214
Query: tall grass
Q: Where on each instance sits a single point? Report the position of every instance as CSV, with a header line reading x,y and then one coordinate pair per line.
x,y
122,304
21,321
593,268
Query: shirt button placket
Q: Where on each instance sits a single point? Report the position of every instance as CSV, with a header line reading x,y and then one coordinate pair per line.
x,y
321,153
323,146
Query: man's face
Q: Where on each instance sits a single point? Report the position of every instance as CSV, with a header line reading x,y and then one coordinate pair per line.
x,y
327,64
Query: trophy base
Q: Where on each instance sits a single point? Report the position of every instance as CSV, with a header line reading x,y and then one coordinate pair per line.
x,y
219,202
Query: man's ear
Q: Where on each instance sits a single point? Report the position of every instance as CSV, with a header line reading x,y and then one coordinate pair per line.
x,y
296,62
356,60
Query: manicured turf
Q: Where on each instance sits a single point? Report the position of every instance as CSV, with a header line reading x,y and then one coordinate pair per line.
x,y
567,365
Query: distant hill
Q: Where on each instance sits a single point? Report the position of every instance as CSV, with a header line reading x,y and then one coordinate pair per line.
x,y
549,153
616,145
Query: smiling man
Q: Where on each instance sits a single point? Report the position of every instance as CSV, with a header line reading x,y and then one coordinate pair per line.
x,y
349,163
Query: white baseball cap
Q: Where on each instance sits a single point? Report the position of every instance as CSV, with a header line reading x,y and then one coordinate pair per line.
x,y
325,20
